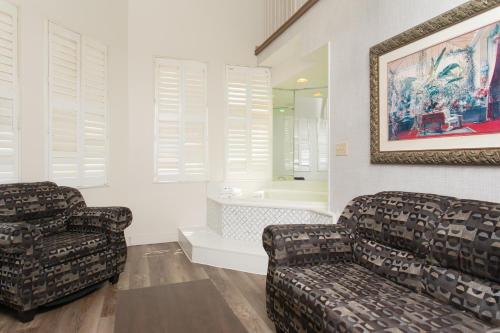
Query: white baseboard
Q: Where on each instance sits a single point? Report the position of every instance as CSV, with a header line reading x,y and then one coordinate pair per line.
x,y
150,238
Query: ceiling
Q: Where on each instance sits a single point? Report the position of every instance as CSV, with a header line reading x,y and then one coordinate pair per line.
x,y
313,67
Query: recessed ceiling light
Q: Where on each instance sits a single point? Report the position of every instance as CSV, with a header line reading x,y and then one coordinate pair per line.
x,y
317,94
302,80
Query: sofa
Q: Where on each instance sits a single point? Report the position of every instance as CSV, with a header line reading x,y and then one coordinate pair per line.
x,y
52,245
394,262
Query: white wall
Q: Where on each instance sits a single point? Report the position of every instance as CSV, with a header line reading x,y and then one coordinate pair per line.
x,y
217,32
353,27
105,21
222,32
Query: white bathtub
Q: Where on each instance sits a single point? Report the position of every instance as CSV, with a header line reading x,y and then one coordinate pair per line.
x,y
279,194
278,198
291,195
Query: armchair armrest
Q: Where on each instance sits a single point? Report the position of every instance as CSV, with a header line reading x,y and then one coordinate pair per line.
x,y
18,237
110,219
307,244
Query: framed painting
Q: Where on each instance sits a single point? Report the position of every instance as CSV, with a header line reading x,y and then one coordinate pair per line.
x,y
435,90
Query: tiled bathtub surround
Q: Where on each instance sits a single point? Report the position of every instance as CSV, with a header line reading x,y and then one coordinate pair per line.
x,y
246,222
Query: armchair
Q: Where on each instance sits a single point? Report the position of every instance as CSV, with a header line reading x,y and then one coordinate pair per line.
x,y
52,245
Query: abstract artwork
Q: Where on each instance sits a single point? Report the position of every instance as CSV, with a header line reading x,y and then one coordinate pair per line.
x,y
449,89
435,90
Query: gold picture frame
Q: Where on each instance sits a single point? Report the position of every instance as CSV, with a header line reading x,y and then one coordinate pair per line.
x,y
462,156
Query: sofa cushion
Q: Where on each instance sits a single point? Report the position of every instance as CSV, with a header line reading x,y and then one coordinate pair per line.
x,y
26,201
347,297
67,246
468,239
403,220
309,292
397,265
479,296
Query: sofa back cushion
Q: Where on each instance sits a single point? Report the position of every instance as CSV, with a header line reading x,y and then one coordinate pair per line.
x,y
397,265
30,201
402,220
351,212
479,296
468,239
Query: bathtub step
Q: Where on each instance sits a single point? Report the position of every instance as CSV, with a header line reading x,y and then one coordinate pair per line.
x,y
204,246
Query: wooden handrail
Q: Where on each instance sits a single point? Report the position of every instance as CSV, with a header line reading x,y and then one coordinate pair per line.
x,y
298,14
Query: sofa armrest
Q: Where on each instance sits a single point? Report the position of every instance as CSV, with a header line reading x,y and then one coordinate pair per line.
x,y
307,244
109,219
18,237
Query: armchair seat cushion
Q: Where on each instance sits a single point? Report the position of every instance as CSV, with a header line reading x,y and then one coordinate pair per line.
x,y
67,246
348,297
49,225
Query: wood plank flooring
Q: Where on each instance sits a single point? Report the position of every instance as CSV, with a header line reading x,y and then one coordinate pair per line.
x,y
150,266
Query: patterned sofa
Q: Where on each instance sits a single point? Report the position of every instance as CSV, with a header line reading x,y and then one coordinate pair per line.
x,y
395,262
52,245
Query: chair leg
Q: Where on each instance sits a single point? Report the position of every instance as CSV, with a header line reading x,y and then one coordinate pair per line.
x,y
26,316
114,279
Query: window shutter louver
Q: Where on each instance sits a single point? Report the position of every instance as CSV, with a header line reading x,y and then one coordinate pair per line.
x,y
248,123
64,105
195,121
9,151
180,121
77,92
94,107
237,123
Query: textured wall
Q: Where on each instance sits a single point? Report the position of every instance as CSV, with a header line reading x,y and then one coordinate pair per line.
x,y
353,27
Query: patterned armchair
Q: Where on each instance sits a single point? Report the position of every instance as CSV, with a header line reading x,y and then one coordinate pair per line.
x,y
395,262
52,245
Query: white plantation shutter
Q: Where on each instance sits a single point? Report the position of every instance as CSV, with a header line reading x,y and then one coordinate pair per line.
x,y
248,123
77,109
322,145
180,121
303,134
8,93
288,148
64,105
94,107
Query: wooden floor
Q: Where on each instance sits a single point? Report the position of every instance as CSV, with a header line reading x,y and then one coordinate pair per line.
x,y
149,266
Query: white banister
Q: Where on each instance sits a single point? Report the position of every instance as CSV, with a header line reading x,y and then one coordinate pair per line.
x,y
278,12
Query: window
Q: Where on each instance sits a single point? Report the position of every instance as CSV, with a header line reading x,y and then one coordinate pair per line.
x,y
303,135
77,91
323,144
180,121
9,148
248,123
